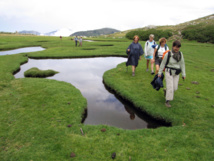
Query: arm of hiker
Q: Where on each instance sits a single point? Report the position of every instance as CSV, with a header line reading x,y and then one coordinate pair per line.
x,y
145,49
162,66
128,49
153,59
183,70
141,51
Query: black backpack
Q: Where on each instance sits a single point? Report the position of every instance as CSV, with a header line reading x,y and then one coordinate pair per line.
x,y
156,54
178,71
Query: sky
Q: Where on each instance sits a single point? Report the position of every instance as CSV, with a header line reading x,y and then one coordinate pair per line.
x,y
79,15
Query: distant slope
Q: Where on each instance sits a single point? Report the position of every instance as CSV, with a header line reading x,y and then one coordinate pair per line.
x,y
98,32
207,20
29,32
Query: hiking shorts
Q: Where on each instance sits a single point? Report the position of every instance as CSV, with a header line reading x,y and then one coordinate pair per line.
x,y
158,61
148,57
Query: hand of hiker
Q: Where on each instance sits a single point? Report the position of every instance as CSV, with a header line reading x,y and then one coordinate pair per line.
x,y
159,75
128,50
140,57
183,78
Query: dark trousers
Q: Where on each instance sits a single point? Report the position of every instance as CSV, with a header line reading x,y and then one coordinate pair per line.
x,y
76,43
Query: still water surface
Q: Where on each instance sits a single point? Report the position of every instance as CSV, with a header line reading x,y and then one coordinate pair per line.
x,y
22,50
103,107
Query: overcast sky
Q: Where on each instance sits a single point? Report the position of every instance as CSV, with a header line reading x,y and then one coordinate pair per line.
x,y
49,15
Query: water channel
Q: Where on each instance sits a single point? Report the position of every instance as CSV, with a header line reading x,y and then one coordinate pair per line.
x,y
86,74
103,106
22,50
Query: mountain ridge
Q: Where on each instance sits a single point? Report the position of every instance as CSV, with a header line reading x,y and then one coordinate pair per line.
x,y
96,32
206,20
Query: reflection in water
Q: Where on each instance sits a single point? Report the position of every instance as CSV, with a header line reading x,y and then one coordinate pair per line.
x,y
86,75
22,50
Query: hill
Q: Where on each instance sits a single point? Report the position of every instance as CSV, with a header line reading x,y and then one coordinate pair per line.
x,y
177,29
98,32
29,32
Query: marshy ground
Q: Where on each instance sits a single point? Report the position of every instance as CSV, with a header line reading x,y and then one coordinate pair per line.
x,y
40,119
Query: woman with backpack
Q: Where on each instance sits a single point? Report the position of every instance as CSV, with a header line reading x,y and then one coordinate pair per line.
x,y
134,52
158,53
173,62
149,50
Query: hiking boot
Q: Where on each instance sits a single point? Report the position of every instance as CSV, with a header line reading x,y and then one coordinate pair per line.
x,y
152,73
167,104
133,74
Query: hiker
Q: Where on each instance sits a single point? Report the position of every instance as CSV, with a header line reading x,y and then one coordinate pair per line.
x,y
158,53
149,50
134,52
173,62
80,41
76,40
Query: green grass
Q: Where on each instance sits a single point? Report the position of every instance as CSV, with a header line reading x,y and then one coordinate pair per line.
x,y
34,113
35,72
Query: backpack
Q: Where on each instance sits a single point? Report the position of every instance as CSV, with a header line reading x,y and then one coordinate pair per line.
x,y
156,54
147,43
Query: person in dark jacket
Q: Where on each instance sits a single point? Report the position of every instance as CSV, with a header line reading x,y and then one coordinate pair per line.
x,y
134,51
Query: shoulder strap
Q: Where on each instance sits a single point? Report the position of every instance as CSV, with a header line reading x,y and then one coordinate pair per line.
x,y
147,43
165,47
167,61
156,54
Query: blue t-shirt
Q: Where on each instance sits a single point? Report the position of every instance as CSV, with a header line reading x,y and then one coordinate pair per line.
x,y
151,43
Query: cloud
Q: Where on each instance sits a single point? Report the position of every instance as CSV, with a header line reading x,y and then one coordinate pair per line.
x,y
85,15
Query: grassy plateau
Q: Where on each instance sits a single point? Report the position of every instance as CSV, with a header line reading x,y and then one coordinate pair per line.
x,y
40,119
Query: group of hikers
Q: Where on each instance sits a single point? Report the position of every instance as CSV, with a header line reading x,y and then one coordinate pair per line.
x,y
170,61
76,39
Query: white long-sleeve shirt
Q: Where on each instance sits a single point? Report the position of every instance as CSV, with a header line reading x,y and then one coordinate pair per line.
x,y
148,49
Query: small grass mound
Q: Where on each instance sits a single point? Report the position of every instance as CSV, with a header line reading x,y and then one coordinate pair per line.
x,y
35,72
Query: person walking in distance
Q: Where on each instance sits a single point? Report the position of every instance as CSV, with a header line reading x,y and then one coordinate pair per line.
x,y
76,40
80,41
158,53
134,51
149,50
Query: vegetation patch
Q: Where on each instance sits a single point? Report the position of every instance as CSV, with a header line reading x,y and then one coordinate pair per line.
x,y
42,41
88,48
144,34
106,45
200,33
35,72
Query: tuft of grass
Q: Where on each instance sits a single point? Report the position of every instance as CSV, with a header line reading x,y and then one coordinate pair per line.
x,y
35,72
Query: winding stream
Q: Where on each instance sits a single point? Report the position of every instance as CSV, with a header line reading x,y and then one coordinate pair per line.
x,y
86,75
22,50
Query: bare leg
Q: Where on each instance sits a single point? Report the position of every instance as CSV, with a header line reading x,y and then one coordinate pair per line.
x,y
152,66
147,64
133,68
157,69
